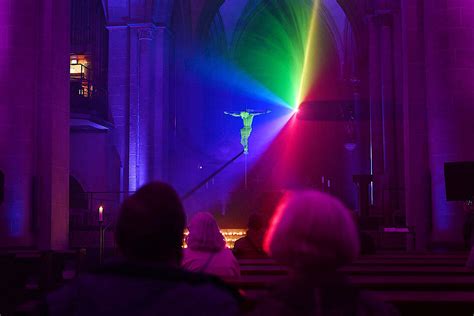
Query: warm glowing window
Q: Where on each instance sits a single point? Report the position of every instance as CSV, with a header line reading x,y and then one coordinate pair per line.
x,y
79,70
78,66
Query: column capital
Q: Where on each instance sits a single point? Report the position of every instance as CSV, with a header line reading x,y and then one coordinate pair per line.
x,y
145,31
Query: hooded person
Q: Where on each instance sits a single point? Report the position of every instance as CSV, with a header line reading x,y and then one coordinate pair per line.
x,y
206,249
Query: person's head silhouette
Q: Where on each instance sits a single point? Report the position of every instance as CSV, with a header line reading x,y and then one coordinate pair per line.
x,y
151,224
312,231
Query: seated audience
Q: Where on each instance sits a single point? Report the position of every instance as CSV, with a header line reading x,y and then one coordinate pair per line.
x,y
206,249
148,280
314,235
251,246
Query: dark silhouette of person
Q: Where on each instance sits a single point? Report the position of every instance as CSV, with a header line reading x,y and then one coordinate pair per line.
x,y
251,246
148,279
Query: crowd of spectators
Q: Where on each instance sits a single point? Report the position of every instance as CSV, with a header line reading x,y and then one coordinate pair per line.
x,y
311,233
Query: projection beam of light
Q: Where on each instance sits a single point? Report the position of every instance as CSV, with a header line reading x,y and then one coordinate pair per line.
x,y
220,74
305,79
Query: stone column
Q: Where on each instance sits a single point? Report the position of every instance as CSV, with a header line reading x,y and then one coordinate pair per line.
x,y
34,123
376,111
139,100
415,132
161,103
133,107
390,194
382,113
119,95
145,108
52,160
17,120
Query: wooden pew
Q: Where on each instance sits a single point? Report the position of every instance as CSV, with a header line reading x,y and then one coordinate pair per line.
x,y
367,270
371,282
417,284
379,272
401,260
414,303
407,270
433,303
28,274
423,262
417,255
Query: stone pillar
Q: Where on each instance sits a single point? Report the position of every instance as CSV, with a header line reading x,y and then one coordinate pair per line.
x,y
145,130
382,113
376,113
415,136
390,194
140,108
161,104
139,73
52,159
17,120
34,123
119,96
133,107
449,29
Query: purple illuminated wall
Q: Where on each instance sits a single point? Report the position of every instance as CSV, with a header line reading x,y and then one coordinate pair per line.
x,y
34,122
438,98
16,128
450,95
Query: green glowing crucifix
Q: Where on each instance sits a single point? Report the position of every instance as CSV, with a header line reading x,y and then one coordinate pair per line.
x,y
247,118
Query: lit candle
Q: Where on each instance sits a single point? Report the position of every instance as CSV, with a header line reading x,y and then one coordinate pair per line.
x,y
101,213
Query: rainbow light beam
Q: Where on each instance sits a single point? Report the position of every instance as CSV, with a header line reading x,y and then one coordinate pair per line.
x,y
275,44
310,51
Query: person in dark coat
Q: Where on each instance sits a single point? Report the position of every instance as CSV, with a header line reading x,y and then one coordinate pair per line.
x,y
251,246
314,235
148,280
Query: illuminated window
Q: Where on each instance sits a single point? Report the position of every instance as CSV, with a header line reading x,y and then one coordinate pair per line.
x,y
78,66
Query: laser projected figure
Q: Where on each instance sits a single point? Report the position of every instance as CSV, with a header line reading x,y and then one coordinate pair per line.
x,y
247,117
